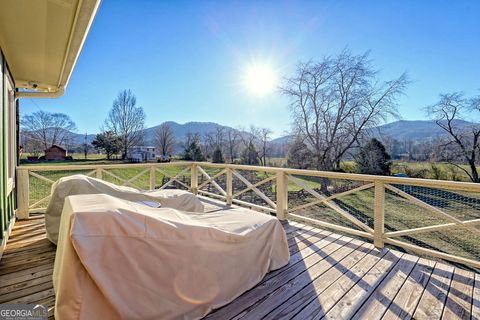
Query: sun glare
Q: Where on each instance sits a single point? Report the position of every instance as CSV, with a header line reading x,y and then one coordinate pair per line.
x,y
260,79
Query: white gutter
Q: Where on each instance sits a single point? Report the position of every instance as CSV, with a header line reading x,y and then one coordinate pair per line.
x,y
40,94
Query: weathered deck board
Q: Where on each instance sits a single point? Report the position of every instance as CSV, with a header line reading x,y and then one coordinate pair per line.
x,y
459,299
314,294
404,304
433,299
319,273
347,306
476,298
378,302
328,276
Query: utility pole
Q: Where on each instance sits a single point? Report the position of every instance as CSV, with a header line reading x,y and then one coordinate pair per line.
x,y
85,146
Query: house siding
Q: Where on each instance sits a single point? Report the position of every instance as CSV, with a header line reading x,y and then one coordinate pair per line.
x,y
7,195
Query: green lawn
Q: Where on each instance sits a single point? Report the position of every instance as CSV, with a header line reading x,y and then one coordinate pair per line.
x,y
400,214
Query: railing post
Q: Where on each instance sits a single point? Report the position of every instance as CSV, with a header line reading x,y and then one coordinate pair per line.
x,y
194,178
23,186
98,173
152,177
229,182
282,195
379,215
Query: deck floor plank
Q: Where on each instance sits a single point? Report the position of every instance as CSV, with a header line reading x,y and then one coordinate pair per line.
x,y
408,296
24,275
253,296
319,273
460,294
297,256
10,250
476,298
328,276
346,307
315,291
321,302
46,277
433,299
378,302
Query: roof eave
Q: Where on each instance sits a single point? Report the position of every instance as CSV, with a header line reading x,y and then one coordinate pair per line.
x,y
84,15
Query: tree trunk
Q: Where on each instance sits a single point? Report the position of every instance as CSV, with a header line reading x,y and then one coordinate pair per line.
x,y
473,168
324,182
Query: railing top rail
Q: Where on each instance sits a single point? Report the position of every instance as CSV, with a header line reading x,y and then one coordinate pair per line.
x,y
102,166
443,184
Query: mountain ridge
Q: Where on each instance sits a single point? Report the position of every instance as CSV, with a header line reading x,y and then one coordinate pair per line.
x,y
417,130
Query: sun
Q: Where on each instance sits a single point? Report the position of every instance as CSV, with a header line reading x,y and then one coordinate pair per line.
x,y
260,79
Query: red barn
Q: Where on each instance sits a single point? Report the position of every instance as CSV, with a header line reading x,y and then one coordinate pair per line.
x,y
55,153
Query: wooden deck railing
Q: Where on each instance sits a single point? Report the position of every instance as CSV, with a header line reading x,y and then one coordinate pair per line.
x,y
392,210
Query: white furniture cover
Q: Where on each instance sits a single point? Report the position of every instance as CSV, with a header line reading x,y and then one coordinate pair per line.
x,y
81,184
122,260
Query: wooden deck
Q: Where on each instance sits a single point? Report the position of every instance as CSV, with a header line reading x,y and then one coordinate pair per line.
x,y
329,276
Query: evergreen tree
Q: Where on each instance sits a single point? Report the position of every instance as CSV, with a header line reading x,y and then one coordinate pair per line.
x,y
373,159
193,152
109,142
217,156
250,155
299,156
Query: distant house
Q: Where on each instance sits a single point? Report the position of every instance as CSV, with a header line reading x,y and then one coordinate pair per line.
x,y
55,153
141,153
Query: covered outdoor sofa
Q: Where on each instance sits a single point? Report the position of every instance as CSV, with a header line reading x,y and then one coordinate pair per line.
x,y
81,184
118,259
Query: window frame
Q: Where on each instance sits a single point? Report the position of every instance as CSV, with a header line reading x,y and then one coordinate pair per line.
x,y
10,132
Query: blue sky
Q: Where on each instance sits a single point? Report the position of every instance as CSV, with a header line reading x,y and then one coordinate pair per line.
x,y
185,60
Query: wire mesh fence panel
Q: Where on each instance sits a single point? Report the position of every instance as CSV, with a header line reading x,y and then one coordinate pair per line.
x,y
211,171
172,177
139,177
255,187
358,204
434,218
40,184
460,204
212,181
456,242
254,176
401,214
136,177
340,202
218,186
253,198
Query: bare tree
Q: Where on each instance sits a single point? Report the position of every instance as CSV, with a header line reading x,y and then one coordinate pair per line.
x,y
126,120
333,101
165,139
249,136
190,137
214,140
232,138
464,140
264,139
31,145
44,129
